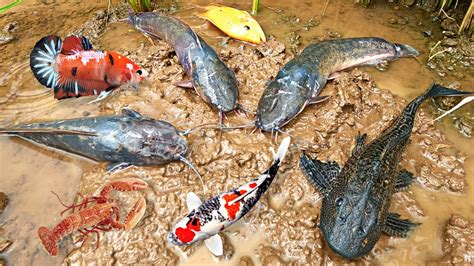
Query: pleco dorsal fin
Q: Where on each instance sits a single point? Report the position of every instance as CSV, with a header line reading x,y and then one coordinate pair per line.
x,y
74,44
214,244
193,201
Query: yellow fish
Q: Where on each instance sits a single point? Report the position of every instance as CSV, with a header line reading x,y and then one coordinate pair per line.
x,y
236,23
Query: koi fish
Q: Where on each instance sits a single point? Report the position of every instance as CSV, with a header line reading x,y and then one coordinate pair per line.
x,y
236,23
207,219
72,69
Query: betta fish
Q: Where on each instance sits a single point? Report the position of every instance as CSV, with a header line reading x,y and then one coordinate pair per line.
x,y
206,220
72,69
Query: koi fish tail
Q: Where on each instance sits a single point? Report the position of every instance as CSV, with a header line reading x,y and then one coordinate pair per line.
x,y
42,60
48,241
279,156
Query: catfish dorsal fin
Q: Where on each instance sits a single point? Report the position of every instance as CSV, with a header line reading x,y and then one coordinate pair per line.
x,y
74,44
193,201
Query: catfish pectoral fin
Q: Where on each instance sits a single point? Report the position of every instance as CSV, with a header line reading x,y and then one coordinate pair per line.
x,y
403,180
319,174
394,226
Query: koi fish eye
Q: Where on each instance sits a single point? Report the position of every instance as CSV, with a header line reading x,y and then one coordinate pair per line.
x,y
139,72
246,27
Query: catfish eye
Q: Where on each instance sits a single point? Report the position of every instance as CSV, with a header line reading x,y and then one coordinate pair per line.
x,y
246,27
339,201
139,72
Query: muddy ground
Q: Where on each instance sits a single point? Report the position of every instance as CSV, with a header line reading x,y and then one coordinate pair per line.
x,y
282,228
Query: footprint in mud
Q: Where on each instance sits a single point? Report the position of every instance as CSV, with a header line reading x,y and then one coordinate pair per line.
x,y
20,93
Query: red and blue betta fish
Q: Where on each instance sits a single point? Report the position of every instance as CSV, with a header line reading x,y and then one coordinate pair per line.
x,y
73,69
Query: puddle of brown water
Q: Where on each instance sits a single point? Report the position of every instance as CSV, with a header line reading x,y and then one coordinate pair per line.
x,y
29,173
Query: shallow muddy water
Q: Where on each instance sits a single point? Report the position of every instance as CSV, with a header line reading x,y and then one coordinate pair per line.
x,y
282,227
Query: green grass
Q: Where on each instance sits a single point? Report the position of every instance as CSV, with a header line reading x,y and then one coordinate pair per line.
x,y
142,5
8,6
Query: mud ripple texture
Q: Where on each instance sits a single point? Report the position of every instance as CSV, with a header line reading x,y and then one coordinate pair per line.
x,y
288,213
458,241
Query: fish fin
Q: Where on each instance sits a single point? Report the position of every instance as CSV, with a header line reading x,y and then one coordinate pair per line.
x,y
261,179
68,87
214,244
438,90
359,144
130,112
102,96
404,179
318,99
117,166
459,105
334,75
74,44
42,59
319,174
193,201
186,84
394,226
17,131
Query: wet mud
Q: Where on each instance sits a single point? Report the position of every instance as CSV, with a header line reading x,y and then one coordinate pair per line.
x,y
282,228
458,242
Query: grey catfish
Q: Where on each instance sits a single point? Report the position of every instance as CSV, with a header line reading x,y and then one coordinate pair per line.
x,y
210,77
301,80
356,199
121,140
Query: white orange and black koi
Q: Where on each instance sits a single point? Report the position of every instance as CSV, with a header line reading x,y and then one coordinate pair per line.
x,y
72,69
207,219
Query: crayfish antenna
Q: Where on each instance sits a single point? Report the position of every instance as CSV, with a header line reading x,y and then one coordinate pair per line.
x,y
190,165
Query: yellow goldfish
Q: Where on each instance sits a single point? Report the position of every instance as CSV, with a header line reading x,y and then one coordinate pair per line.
x,y
236,23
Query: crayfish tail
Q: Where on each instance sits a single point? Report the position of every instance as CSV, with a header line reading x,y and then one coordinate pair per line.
x,y
48,241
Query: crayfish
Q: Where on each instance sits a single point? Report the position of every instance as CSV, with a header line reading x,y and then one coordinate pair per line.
x,y
102,216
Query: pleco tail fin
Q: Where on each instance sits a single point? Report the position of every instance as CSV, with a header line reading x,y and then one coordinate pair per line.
x,y
42,59
438,90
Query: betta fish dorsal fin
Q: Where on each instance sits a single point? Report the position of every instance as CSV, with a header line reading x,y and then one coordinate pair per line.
x,y
214,244
74,44
193,201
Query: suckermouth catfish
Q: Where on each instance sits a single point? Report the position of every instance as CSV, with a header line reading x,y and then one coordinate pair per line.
x,y
210,77
121,140
356,199
301,80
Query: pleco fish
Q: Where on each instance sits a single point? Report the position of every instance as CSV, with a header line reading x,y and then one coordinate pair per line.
x,y
236,23
355,208
121,140
301,80
73,69
210,77
207,219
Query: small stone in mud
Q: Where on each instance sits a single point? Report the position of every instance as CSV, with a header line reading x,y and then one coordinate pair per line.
x,y
392,21
245,261
3,202
4,245
448,33
10,27
5,38
449,42
86,113
449,25
427,33
100,14
402,21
